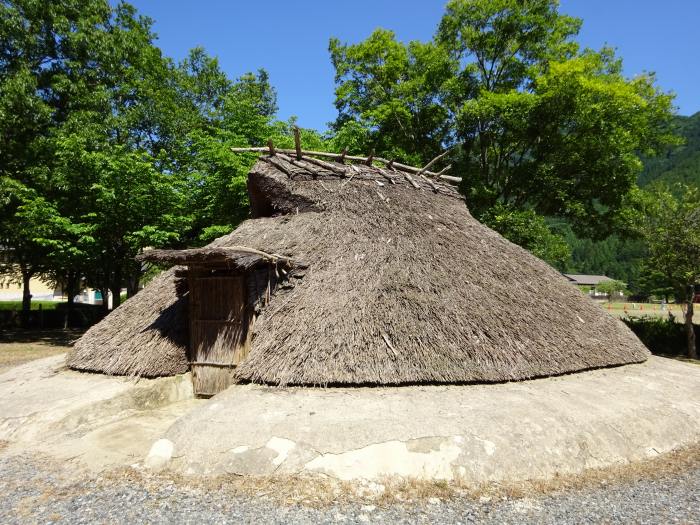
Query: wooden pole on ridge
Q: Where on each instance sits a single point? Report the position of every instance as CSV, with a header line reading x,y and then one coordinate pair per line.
x,y
341,158
297,141
425,168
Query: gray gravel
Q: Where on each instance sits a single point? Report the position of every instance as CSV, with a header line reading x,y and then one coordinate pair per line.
x,y
34,492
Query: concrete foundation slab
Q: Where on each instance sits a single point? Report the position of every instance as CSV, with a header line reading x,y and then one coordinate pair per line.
x,y
475,433
526,430
99,421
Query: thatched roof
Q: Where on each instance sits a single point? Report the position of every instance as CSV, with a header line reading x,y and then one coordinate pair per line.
x,y
402,286
238,258
146,336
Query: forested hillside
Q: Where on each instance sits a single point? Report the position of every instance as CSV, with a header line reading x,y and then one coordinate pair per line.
x,y
615,257
681,164
621,258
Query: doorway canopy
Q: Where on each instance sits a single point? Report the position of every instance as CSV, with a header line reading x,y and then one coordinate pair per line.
x,y
227,287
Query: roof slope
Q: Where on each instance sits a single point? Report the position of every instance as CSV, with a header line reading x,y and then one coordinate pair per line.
x,y
402,286
146,336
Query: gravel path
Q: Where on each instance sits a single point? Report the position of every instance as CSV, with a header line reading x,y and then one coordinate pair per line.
x,y
35,492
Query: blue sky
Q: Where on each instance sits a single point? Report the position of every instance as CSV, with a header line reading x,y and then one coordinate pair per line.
x,y
290,39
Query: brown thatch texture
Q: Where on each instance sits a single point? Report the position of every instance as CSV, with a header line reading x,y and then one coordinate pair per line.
x,y
403,286
146,336
232,257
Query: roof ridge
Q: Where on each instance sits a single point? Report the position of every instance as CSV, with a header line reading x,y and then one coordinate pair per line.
x,y
340,159
310,166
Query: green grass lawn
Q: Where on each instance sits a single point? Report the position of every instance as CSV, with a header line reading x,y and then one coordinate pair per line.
x,y
645,309
17,305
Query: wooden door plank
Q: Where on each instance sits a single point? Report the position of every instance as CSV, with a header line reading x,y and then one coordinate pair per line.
x,y
219,330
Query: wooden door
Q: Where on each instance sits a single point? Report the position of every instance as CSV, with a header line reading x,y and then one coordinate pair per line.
x,y
219,329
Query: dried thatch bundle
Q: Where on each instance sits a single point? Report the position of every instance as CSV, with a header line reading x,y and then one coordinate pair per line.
x,y
146,336
402,285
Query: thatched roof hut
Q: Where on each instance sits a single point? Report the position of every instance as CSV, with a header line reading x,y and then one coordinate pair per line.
x,y
386,279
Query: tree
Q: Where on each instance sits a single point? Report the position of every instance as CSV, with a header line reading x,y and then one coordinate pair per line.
x,y
222,113
107,147
534,124
611,287
670,226
547,126
86,169
25,119
526,228
22,256
395,92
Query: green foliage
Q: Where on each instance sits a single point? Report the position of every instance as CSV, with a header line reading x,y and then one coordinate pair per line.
x,y
611,288
535,124
351,136
678,165
526,228
671,229
395,92
567,146
660,336
107,147
622,258
508,41
584,163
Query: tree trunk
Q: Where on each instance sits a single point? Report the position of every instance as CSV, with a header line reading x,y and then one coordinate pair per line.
x,y
132,284
116,295
104,290
71,291
116,288
689,329
26,296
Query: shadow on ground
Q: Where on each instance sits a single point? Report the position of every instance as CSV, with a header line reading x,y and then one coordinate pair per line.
x,y
60,338
21,346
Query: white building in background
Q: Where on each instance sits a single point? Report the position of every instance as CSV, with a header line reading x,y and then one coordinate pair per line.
x,y
42,291
92,296
590,281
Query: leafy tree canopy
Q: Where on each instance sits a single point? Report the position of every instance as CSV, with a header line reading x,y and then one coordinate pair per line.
x,y
671,229
535,123
108,147
526,228
395,93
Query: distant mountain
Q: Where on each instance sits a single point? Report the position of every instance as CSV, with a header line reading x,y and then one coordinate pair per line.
x,y
681,164
621,258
